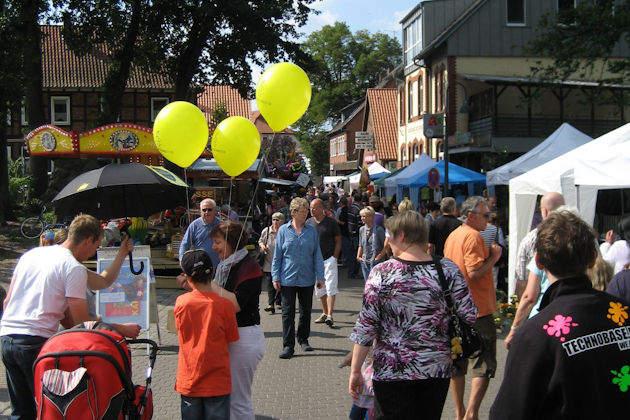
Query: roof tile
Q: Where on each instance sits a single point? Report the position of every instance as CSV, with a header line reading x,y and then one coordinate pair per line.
x,y
62,68
235,103
383,109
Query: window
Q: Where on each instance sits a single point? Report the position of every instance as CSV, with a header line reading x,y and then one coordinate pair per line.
x,y
8,117
420,95
410,100
341,146
412,35
401,104
515,12
24,116
60,110
438,91
333,147
156,105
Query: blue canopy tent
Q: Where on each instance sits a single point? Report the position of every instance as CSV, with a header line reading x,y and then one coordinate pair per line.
x,y
456,175
406,174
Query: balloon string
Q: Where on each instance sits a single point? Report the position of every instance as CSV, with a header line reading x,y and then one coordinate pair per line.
x,y
254,195
187,215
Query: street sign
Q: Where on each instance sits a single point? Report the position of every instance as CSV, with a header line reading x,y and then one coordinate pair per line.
x,y
433,178
433,125
363,140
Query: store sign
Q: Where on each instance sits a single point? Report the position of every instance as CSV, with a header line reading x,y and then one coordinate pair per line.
x,y
203,193
433,125
363,140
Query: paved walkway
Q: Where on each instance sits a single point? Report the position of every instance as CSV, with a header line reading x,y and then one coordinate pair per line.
x,y
310,385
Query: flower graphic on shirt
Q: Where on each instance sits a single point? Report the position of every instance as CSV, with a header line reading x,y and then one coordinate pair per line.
x,y
559,326
622,378
618,313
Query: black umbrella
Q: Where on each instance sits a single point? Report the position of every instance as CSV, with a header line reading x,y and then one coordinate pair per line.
x,y
126,190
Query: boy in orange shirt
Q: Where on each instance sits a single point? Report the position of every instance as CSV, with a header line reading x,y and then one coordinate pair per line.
x,y
206,323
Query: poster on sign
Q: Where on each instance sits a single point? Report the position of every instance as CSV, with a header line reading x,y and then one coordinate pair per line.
x,y
127,299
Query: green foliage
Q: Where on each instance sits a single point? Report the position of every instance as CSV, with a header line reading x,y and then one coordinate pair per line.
x,y
317,149
341,66
344,65
579,39
218,114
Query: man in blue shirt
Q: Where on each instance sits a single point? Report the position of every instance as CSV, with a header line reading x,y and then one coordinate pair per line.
x,y
198,233
297,265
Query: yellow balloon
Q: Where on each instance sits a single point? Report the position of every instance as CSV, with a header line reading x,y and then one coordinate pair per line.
x,y
235,145
283,94
180,132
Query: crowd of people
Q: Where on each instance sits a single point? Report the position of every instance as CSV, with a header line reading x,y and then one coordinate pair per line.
x,y
568,333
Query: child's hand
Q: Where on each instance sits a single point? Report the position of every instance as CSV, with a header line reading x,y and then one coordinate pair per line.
x,y
129,330
355,384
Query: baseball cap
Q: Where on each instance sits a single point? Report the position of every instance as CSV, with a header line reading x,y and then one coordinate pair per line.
x,y
196,263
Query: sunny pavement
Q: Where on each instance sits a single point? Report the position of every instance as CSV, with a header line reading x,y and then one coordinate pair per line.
x,y
308,386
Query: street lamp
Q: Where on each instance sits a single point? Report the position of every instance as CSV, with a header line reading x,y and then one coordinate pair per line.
x,y
464,109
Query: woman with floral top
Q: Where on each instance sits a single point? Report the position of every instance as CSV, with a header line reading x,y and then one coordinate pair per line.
x,y
406,317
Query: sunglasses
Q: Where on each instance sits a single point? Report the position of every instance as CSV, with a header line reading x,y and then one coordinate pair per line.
x,y
207,210
275,220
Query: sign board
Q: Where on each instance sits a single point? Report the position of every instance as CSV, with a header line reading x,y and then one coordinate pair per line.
x,y
303,180
433,125
127,299
203,193
363,140
433,178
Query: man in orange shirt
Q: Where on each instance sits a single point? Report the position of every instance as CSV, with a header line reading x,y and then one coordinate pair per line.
x,y
465,247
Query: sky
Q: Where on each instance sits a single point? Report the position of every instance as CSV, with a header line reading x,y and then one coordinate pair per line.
x,y
372,15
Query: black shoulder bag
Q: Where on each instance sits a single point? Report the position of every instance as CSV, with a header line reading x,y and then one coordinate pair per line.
x,y
465,340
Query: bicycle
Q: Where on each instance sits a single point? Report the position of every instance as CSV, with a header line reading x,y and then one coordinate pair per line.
x,y
32,227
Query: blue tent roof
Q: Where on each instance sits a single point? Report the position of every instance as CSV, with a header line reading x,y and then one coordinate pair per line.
x,y
378,175
456,175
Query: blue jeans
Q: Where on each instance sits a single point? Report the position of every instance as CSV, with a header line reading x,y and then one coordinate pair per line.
x,y
353,264
366,267
305,298
18,355
206,408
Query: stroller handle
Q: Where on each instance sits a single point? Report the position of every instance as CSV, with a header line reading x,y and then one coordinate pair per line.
x,y
154,348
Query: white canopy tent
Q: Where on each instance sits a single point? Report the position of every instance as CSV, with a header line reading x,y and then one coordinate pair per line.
x,y
373,169
599,165
564,139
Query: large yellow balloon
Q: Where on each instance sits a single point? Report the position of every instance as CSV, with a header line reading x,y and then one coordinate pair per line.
x,y
283,93
180,132
235,145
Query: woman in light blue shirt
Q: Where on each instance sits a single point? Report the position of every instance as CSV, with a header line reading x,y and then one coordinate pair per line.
x,y
297,265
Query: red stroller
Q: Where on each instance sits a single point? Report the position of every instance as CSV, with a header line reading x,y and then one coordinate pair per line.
x,y
86,374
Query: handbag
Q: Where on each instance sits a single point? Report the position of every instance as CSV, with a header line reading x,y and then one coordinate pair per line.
x,y
504,253
465,340
260,258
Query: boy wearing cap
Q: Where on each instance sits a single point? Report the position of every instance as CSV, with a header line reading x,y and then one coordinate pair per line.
x,y
206,323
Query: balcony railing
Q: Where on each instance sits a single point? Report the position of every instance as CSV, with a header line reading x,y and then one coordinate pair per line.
x,y
536,127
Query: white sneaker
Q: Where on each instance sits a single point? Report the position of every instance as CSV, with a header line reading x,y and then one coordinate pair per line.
x,y
321,319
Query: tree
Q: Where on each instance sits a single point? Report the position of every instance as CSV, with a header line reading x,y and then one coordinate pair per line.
x,y
342,66
11,82
195,42
581,42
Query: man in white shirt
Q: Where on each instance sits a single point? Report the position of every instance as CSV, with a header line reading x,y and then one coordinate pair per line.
x,y
49,287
